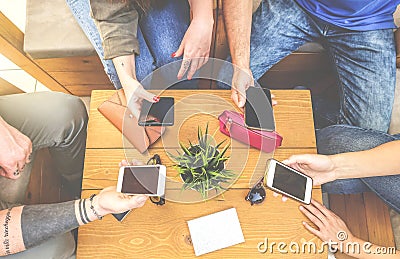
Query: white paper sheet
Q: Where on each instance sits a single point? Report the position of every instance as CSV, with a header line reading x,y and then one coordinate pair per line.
x,y
215,231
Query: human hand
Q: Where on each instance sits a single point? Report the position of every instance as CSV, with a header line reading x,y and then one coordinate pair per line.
x,y
331,228
319,167
135,93
242,79
110,201
15,151
195,47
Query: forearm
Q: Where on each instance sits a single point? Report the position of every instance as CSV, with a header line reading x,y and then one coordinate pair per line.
x,y
202,11
238,17
380,161
368,250
125,67
26,226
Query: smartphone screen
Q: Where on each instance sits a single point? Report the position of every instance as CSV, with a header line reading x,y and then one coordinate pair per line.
x,y
140,180
289,182
258,110
157,114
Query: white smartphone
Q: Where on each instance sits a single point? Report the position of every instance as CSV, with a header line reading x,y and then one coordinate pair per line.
x,y
289,182
147,179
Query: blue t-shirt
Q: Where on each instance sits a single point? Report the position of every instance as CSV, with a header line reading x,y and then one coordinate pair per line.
x,y
359,15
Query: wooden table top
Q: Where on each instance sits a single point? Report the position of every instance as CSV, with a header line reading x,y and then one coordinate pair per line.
x,y
158,232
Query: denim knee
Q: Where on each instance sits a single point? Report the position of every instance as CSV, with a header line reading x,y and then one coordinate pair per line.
x,y
345,186
337,139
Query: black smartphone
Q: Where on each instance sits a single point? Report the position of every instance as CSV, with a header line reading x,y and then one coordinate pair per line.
x,y
121,216
157,114
258,112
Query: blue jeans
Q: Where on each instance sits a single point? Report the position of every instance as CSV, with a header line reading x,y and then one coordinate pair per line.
x,y
160,32
364,61
344,138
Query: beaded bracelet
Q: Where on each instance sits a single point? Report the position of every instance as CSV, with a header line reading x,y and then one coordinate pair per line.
x,y
92,208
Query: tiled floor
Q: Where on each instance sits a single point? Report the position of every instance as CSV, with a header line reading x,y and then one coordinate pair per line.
x,y
15,10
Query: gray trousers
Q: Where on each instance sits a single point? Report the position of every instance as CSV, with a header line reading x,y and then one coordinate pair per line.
x,y
51,120
55,121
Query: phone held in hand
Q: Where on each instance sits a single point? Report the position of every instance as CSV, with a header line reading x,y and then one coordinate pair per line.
x,y
258,112
289,182
160,113
147,179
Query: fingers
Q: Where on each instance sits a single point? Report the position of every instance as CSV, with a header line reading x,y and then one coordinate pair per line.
x,y
200,62
137,162
179,52
284,198
134,162
299,159
146,95
23,142
123,163
203,61
193,68
2,172
312,230
321,208
27,148
235,97
137,201
309,213
241,99
274,102
184,68
315,211
238,97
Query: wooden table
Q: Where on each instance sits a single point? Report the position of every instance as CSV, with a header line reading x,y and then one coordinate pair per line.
x,y
154,232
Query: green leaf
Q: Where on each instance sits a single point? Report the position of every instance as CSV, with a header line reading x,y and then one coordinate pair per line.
x,y
220,143
187,152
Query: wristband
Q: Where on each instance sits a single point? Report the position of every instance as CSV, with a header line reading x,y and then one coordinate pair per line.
x,y
92,208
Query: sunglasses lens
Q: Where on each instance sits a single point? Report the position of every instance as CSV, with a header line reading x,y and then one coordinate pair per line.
x,y
157,200
154,160
256,195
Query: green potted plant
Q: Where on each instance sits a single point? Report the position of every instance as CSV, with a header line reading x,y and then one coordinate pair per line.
x,y
201,166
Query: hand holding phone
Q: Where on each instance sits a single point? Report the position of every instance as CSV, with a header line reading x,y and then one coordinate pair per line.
x,y
289,182
160,113
258,112
147,179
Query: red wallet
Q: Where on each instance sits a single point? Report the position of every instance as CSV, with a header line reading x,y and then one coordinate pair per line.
x,y
232,124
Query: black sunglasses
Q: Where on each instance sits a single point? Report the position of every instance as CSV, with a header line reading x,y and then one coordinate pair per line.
x,y
156,160
257,193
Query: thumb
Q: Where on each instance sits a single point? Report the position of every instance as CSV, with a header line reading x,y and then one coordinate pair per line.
x,y
299,159
179,52
137,201
241,99
143,94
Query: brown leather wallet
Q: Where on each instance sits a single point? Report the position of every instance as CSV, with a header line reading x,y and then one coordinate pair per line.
x,y
114,109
